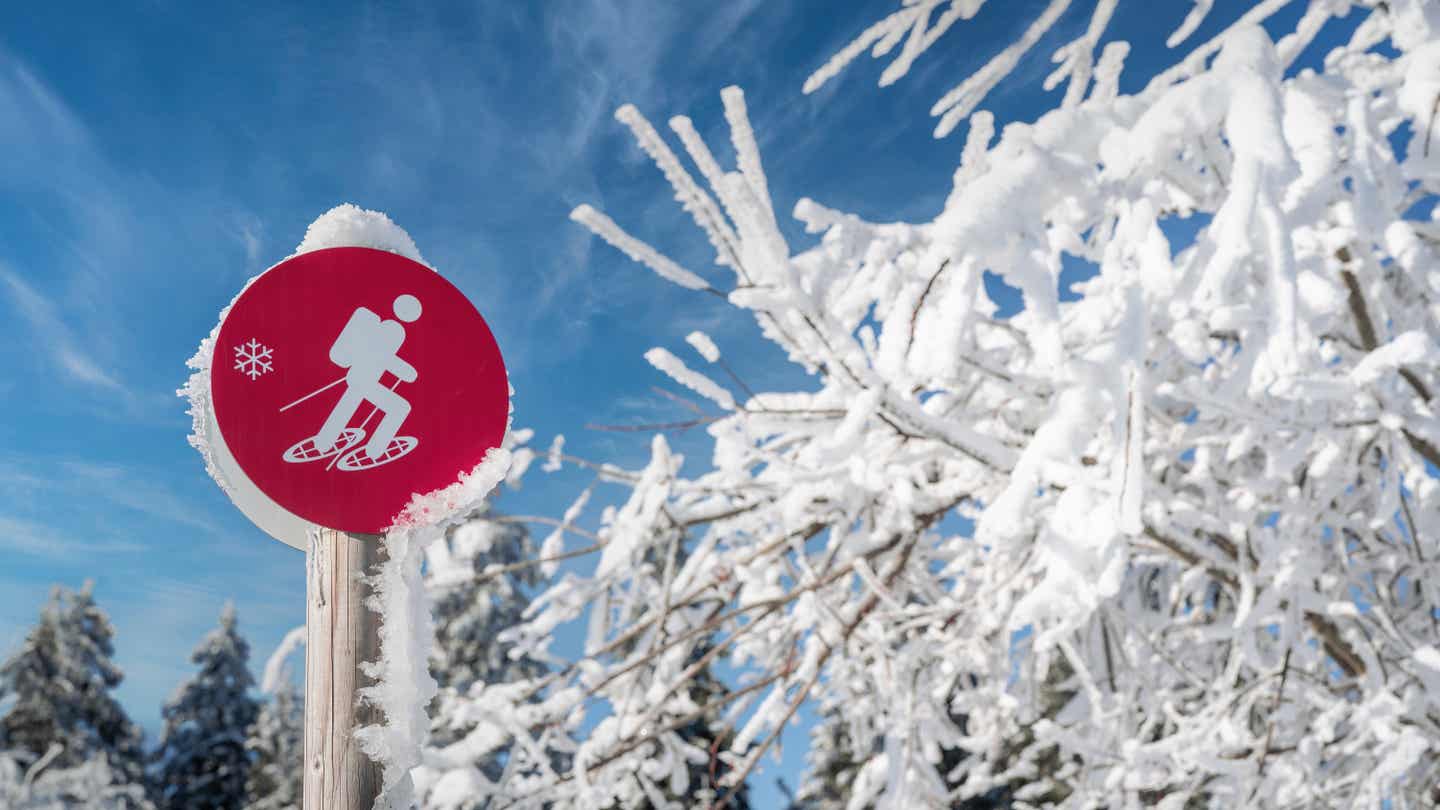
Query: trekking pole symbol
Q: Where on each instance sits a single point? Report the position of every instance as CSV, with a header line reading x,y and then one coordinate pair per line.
x,y
367,348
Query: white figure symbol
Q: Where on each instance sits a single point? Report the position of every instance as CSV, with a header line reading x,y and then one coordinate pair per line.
x,y
367,348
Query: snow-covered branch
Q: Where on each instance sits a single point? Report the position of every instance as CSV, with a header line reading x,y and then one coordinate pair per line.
x,y
1168,543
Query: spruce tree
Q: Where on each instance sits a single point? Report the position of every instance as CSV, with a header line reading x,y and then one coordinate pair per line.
x,y
91,637
836,760
705,733
471,608
834,764
276,746
202,763
62,680
32,678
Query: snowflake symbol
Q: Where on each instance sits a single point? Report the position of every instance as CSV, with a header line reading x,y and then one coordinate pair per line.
x,y
254,358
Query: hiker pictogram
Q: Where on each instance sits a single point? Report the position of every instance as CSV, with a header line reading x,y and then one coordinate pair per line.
x,y
368,347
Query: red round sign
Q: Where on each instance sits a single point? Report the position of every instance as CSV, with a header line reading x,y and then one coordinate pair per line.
x,y
346,380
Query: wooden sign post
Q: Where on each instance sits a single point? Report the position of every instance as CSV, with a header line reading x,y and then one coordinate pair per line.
x,y
342,382
341,634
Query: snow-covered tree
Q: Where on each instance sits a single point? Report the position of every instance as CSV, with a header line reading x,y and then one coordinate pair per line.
x,y
1205,519
202,762
60,683
92,673
704,733
31,678
277,746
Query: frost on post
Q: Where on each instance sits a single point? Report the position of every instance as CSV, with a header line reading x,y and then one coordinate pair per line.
x,y
1204,514
404,687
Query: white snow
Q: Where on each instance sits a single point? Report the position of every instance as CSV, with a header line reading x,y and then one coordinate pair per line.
x,y
676,369
1202,500
605,228
276,665
404,687
349,225
1412,347
702,343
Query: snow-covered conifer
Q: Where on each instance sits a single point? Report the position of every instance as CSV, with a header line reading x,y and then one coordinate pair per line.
x,y
836,760
472,607
87,631
61,682
479,579
277,747
708,732
202,763
30,678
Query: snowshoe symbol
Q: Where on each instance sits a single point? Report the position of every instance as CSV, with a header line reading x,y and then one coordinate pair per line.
x,y
347,457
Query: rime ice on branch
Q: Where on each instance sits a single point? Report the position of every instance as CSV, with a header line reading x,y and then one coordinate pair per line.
x,y
1204,551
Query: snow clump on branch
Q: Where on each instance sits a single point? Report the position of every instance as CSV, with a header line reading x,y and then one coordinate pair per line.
x,y
1204,547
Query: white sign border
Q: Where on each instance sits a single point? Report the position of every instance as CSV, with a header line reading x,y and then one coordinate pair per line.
x,y
271,517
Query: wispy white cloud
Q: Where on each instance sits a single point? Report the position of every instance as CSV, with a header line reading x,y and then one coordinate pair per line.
x,y
249,231
104,231
47,151
20,536
33,119
26,485
50,333
133,489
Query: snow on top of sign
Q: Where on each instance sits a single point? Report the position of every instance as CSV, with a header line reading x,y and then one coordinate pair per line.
x,y
349,225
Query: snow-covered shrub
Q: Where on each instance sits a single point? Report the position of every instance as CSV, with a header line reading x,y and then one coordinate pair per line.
x,y
1204,515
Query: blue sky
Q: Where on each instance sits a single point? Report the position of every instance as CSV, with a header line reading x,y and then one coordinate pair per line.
x,y
153,158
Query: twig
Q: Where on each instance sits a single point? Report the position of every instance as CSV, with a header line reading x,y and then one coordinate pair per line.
x,y
1358,310
736,378
657,427
915,315
682,401
1430,127
1279,694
